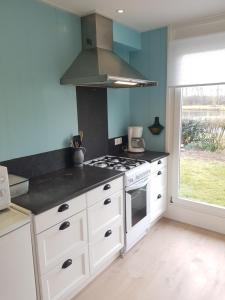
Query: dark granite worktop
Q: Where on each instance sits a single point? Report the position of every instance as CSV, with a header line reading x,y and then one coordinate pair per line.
x,y
150,156
52,189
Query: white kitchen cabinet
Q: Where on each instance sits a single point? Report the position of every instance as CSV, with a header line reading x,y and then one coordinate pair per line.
x,y
104,191
62,249
55,242
17,269
104,212
86,236
68,274
105,224
59,213
158,194
107,242
158,164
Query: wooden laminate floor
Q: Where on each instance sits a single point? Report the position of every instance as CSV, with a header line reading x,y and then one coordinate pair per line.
x,y
173,262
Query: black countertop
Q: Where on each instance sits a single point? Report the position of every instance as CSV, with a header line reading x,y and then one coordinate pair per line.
x,y
52,189
150,156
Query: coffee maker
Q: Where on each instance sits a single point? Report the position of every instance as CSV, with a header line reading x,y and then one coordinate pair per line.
x,y
136,143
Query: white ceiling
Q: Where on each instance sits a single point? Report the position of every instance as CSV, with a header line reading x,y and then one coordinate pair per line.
x,y
144,15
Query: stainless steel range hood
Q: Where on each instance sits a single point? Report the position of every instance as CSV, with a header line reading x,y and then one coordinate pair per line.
x,y
97,65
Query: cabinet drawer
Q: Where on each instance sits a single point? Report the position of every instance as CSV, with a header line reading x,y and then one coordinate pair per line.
x,y
159,164
104,212
108,242
159,180
59,213
104,191
60,239
158,204
67,276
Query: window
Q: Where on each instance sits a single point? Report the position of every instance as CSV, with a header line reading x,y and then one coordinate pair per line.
x,y
196,139
202,144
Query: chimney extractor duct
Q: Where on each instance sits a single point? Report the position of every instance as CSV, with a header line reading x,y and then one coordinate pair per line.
x,y
97,65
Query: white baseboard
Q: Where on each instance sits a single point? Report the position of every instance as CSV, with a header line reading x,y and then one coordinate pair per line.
x,y
186,215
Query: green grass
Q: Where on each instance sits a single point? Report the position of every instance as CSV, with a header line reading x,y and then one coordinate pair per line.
x,y
203,180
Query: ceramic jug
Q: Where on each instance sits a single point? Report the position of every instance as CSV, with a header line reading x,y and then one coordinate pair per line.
x,y
78,156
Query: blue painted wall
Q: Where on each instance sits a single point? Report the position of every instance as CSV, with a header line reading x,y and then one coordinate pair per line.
x,y
37,114
38,43
126,36
147,103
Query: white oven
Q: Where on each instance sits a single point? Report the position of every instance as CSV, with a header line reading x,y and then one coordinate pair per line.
x,y
137,210
137,193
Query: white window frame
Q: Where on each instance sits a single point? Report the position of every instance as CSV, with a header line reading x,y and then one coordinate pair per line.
x,y
173,119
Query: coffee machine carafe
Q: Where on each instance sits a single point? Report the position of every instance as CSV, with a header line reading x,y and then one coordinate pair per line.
x,y
136,142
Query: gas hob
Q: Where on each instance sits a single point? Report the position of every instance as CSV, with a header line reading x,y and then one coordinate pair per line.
x,y
115,163
134,169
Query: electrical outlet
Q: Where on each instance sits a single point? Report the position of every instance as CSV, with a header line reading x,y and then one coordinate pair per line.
x,y
118,141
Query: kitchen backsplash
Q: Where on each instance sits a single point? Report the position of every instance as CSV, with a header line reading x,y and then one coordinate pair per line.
x,y
117,149
93,120
40,164
43,163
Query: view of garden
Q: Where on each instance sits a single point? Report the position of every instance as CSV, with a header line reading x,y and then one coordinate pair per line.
x,y
202,164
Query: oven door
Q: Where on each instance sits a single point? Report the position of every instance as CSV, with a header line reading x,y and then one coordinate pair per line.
x,y
137,203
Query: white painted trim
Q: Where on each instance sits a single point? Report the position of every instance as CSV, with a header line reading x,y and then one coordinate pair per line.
x,y
185,215
198,27
191,212
192,85
202,207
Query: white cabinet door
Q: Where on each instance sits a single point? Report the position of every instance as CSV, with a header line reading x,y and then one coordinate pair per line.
x,y
104,191
16,265
159,164
104,212
57,241
158,204
70,272
59,213
158,198
107,242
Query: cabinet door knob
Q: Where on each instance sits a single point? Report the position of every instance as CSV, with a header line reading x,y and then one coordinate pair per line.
x,y
159,196
159,162
108,233
107,201
107,187
159,173
67,263
63,207
64,225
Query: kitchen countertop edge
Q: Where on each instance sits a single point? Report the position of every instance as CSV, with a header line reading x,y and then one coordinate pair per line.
x,y
21,200
149,156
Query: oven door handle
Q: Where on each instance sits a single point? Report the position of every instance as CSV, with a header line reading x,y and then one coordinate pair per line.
x,y
138,185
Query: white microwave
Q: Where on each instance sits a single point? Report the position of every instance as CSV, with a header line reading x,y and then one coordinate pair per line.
x,y
5,198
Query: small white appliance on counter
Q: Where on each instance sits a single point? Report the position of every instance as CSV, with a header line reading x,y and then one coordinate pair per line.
x,y
5,198
18,185
136,142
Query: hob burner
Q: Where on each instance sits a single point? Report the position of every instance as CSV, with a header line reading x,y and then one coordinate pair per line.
x,y
115,163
